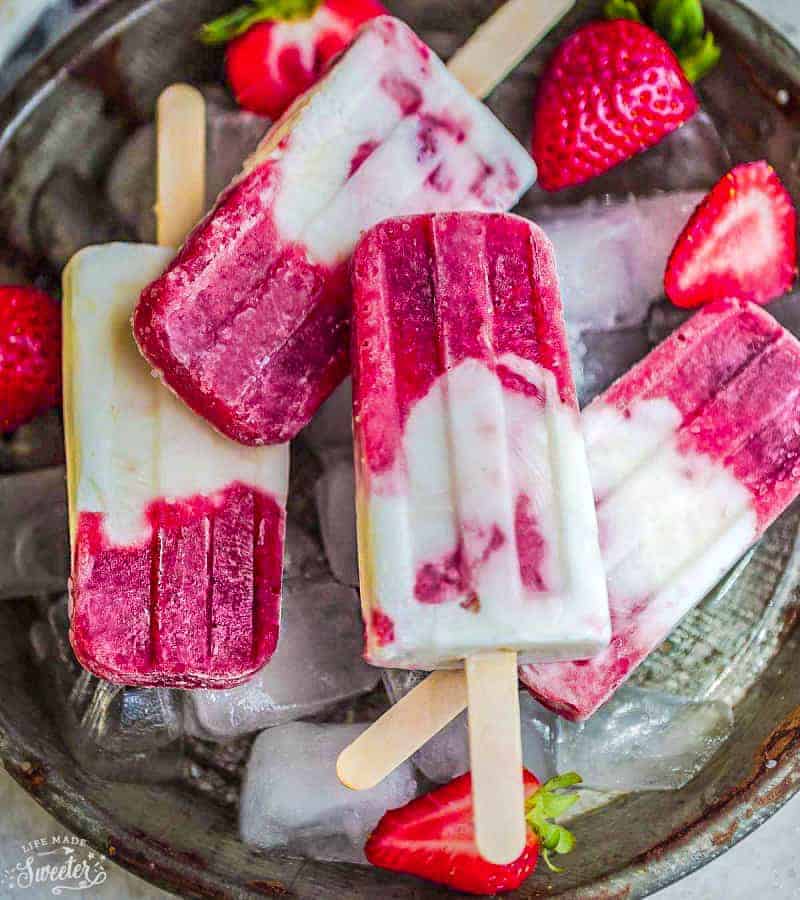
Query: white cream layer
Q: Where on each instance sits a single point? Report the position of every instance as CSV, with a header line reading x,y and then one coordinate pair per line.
x,y
470,449
129,440
317,201
671,523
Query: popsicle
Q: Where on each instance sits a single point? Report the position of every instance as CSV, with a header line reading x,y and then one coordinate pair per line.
x,y
249,325
476,524
476,527
693,454
176,532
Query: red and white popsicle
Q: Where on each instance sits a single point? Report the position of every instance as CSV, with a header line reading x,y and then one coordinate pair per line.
x,y
176,531
693,454
249,325
476,524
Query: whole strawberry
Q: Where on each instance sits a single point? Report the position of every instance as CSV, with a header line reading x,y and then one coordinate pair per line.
x,y
610,91
30,355
280,48
434,836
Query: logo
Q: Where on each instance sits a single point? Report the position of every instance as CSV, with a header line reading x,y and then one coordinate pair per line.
x,y
61,862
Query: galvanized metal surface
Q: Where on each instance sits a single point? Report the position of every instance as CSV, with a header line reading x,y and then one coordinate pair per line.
x,y
740,644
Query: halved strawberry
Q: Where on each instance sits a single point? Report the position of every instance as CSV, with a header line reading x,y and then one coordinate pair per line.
x,y
610,91
280,48
30,355
434,836
741,241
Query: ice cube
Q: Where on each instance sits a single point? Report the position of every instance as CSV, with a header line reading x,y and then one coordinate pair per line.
x,y
643,740
131,183
34,544
612,256
305,469
119,733
232,135
335,494
72,127
692,158
291,797
332,426
36,445
398,682
446,755
302,557
69,214
317,664
664,318
606,356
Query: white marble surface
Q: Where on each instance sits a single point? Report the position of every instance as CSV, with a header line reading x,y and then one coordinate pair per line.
x,y
763,865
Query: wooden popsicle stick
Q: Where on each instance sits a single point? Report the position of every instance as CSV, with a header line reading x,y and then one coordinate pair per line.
x,y
181,166
495,750
402,730
503,41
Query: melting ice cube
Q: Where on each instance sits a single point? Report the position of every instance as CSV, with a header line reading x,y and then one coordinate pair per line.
x,y
291,797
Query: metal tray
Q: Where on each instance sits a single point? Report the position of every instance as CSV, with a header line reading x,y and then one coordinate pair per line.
x,y
741,643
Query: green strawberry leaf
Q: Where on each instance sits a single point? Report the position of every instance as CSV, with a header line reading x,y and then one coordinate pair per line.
x,y
555,805
700,56
239,20
682,25
678,21
622,9
549,802
568,779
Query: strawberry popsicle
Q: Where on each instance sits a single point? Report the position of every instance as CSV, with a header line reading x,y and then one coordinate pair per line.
x,y
176,532
476,525
249,325
703,435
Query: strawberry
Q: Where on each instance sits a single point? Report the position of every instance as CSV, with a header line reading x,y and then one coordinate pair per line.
x,y
610,91
280,48
741,241
30,355
434,836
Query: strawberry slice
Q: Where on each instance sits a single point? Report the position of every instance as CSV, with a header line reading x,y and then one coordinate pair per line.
x,y
434,836
741,241
280,48
610,91
30,355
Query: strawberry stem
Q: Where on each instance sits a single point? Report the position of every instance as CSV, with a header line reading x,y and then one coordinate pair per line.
x,y
550,802
239,20
622,9
700,56
678,21
682,25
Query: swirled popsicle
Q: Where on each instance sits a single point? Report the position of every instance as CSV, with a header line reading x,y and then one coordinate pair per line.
x,y
176,531
476,522
249,325
703,435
